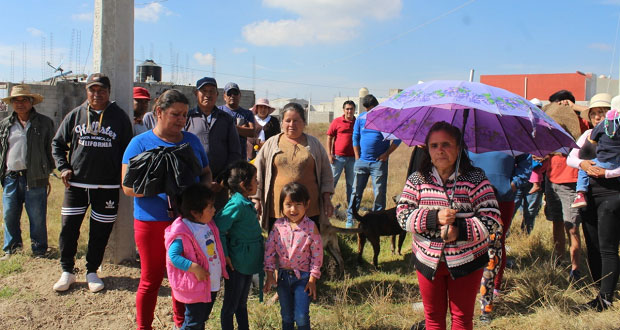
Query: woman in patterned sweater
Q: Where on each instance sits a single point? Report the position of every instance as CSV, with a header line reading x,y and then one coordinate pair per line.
x,y
452,223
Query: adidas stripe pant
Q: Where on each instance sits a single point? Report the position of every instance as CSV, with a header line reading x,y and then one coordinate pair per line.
x,y
104,206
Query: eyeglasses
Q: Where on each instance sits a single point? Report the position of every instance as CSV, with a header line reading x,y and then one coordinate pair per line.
x,y
233,92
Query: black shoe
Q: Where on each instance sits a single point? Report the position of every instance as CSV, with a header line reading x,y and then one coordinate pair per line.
x,y
598,304
419,326
574,275
40,254
485,318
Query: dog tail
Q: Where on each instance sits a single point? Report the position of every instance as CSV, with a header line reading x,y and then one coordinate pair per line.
x,y
356,215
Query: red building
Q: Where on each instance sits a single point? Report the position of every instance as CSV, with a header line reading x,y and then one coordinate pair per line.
x,y
541,86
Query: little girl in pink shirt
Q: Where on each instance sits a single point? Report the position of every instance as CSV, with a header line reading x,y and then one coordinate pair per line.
x,y
295,245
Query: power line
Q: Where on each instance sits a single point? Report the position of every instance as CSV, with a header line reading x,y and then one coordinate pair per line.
x,y
150,2
88,53
43,66
24,65
398,36
263,79
613,54
77,51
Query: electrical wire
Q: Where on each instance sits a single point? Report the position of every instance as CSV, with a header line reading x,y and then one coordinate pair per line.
x,y
613,54
150,2
88,53
398,36
257,78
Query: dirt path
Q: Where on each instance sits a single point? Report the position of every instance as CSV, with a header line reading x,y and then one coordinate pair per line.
x,y
27,300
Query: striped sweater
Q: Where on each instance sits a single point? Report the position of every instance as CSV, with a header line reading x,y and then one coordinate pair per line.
x,y
477,216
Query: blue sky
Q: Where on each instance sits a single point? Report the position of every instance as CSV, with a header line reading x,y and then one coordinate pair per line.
x,y
324,48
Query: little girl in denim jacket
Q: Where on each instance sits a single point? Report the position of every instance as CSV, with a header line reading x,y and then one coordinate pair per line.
x,y
295,245
195,258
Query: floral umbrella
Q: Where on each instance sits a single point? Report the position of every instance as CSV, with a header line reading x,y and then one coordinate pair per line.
x,y
495,119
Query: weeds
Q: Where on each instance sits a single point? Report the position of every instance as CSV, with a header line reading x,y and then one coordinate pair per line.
x,y
7,292
13,265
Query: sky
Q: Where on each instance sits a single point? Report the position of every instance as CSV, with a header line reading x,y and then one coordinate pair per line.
x,y
319,49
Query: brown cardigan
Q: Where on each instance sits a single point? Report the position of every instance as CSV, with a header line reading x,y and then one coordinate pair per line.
x,y
264,166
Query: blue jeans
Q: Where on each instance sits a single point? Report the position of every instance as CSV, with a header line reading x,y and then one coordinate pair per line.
x,y
294,301
15,195
236,291
583,181
347,164
378,170
197,314
529,204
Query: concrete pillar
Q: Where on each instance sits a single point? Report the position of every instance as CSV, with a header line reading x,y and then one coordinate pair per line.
x,y
113,56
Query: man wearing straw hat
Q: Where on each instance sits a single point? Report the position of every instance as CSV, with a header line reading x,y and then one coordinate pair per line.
x,y
25,165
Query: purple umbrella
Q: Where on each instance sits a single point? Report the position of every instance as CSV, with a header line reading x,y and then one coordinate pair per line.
x,y
495,119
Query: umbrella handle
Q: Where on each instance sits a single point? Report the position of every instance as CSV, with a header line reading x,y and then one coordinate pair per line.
x,y
458,157
444,232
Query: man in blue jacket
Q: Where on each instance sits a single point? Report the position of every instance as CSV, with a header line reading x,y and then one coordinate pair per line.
x,y
372,152
507,174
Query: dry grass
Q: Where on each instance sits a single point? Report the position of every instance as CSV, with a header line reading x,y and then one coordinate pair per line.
x,y
399,160
54,205
537,294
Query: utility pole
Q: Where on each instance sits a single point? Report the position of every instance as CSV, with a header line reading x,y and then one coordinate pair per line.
x,y
113,56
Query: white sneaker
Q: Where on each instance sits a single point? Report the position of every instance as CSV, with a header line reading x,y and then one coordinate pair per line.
x,y
95,284
65,281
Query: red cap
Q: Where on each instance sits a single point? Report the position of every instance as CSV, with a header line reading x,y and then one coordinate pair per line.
x,y
141,93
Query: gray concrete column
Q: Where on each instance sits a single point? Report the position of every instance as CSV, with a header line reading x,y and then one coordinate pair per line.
x,y
113,56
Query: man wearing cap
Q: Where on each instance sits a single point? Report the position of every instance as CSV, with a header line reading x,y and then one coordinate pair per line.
x,y
25,165
88,149
244,118
141,99
215,129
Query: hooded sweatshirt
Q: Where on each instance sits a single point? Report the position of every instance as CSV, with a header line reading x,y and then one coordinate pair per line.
x,y
94,154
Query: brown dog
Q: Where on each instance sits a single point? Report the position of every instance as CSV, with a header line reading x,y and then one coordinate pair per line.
x,y
373,225
330,243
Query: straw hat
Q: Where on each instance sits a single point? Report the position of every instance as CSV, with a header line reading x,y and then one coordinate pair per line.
x,y
23,90
600,100
565,117
264,102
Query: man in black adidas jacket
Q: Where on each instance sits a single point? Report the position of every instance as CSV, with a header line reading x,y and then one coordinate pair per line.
x,y
94,135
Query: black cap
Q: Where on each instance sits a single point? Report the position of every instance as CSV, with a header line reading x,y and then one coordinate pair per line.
x,y
205,81
98,79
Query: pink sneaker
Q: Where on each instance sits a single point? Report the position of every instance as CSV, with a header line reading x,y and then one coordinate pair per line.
x,y
579,202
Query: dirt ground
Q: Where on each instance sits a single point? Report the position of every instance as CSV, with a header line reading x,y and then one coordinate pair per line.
x,y
34,305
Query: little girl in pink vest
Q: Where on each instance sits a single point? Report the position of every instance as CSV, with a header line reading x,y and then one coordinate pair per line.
x,y
195,259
